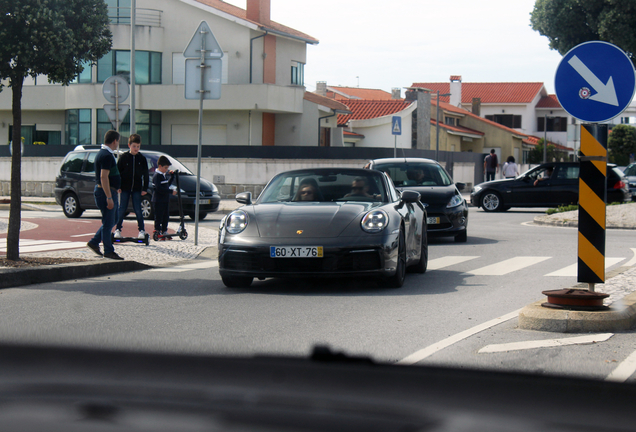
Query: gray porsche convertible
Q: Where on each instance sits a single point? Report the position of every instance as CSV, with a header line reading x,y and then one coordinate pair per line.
x,y
327,222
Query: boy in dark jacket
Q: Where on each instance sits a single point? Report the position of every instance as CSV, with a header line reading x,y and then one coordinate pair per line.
x,y
161,197
134,183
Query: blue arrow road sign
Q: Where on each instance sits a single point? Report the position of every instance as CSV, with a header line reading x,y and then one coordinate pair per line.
x,y
396,128
595,81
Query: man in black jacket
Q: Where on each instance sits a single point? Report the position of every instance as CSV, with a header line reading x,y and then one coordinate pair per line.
x,y
134,183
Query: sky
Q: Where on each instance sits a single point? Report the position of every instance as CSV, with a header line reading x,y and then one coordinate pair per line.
x,y
383,44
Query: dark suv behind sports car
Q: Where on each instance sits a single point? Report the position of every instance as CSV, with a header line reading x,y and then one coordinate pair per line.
x,y
75,183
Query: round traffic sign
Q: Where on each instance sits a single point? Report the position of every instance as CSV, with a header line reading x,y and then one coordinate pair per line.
x,y
116,89
595,81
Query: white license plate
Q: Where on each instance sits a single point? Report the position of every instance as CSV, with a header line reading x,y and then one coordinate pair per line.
x,y
295,251
204,201
432,220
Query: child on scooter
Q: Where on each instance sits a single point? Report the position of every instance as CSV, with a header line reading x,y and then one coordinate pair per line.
x,y
161,197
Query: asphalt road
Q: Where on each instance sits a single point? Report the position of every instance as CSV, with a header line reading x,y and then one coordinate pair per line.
x,y
504,266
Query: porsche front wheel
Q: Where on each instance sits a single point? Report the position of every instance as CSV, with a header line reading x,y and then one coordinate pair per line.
x,y
397,280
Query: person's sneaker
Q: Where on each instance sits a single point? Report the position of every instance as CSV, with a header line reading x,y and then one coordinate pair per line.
x,y
142,234
112,255
165,234
94,248
117,234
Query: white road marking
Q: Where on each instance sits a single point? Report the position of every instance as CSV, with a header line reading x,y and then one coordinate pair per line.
x,y
508,266
572,270
186,267
445,343
83,235
633,260
624,370
447,261
27,245
547,343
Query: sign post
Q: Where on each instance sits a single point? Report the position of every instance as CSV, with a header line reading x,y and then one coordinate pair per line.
x,y
594,83
396,129
116,90
202,81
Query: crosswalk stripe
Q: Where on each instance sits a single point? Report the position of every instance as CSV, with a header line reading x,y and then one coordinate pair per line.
x,y
547,343
186,267
508,266
28,245
447,261
572,270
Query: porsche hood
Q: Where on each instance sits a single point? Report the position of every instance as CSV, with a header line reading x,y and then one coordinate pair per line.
x,y
313,219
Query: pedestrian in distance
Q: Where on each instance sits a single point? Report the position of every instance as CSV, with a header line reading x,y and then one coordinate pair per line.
x,y
108,184
161,197
491,165
133,168
510,168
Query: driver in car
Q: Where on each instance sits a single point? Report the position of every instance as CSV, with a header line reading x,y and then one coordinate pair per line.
x,y
359,188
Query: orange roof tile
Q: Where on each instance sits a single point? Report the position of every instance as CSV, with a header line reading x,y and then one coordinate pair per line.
x,y
369,109
357,93
352,134
242,14
322,100
549,101
534,141
489,92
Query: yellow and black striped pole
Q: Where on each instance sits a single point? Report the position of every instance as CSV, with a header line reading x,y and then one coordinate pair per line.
x,y
592,198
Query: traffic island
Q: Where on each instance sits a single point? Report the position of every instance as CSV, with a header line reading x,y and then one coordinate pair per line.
x,y
620,316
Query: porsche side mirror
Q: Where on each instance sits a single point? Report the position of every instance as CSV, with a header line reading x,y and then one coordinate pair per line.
x,y
460,186
409,196
244,198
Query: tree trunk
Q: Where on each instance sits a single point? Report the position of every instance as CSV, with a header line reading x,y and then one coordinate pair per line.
x,y
13,234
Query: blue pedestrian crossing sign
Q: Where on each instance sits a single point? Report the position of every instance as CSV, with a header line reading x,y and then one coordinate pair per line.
x,y
396,128
595,81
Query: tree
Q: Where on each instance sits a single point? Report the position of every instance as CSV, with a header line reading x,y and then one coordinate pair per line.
x,y
535,156
622,144
44,37
568,23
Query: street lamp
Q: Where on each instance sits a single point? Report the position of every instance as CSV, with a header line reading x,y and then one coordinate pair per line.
x,y
437,125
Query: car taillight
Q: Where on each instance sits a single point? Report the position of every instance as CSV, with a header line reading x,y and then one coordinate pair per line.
x,y
620,185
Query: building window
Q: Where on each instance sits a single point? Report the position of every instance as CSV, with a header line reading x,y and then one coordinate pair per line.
x,y
119,11
147,66
85,76
32,136
78,127
147,124
555,124
451,121
298,73
508,120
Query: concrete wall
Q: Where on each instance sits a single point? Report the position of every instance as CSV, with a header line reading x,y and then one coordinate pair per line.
x,y
231,175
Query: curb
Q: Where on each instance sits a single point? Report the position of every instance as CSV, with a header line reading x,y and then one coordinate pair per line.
x,y
10,277
621,316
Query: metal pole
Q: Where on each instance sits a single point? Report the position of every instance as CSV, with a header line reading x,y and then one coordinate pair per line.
x,y
437,127
201,93
117,121
395,147
545,138
133,18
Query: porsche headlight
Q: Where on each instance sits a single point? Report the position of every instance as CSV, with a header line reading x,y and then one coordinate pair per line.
x,y
236,222
375,221
455,201
477,189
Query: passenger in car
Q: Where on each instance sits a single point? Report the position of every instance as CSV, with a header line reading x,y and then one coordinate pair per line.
x,y
308,191
547,173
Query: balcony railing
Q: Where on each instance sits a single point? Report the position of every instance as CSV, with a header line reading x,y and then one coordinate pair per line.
x,y
143,17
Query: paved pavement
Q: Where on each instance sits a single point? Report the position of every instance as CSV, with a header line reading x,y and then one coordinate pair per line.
x,y
66,238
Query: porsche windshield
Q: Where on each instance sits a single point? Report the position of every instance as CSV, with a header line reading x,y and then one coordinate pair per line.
x,y
326,186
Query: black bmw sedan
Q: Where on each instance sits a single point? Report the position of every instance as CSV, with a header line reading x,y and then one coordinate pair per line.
x,y
447,210
324,222
547,185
